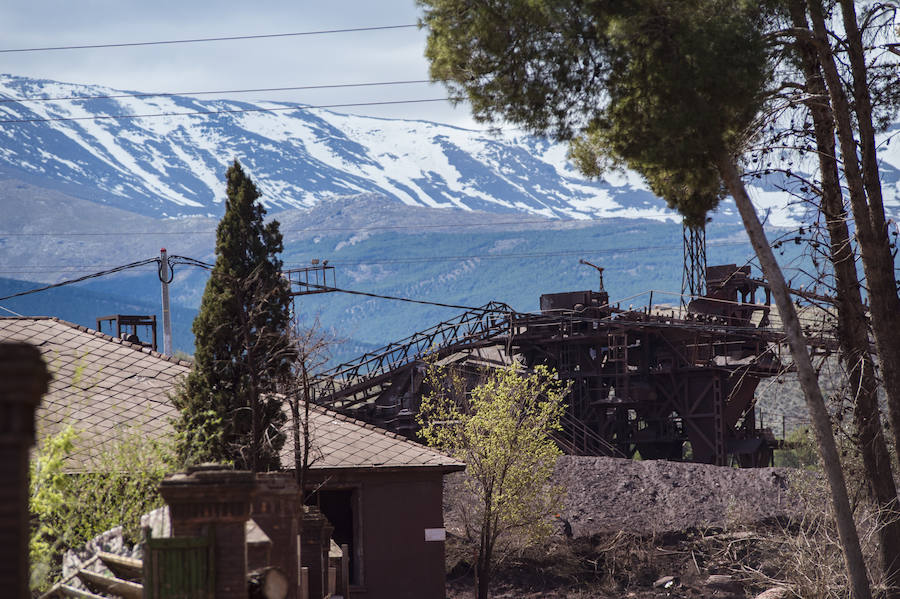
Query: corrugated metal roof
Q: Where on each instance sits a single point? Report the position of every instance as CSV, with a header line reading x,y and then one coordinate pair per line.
x,y
105,386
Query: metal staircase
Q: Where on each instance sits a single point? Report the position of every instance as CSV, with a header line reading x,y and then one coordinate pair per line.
x,y
349,385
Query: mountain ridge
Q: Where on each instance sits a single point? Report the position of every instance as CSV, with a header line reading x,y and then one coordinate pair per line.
x,y
404,208
172,165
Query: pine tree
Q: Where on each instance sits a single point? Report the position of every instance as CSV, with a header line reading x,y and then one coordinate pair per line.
x,y
242,346
672,90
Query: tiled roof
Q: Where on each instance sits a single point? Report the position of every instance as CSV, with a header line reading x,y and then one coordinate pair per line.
x,y
104,385
342,442
101,385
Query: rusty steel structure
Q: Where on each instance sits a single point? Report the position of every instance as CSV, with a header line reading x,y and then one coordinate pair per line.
x,y
693,278
652,382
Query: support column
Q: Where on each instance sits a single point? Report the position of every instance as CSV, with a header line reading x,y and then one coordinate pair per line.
x,y
275,508
212,496
315,543
23,380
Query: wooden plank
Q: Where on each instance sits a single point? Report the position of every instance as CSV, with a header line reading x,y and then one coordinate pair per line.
x,y
111,586
56,591
68,591
126,568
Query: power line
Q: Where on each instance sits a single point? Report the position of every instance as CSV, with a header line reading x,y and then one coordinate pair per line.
x,y
223,91
483,256
12,312
84,278
211,112
315,229
356,229
198,40
402,299
184,260
423,259
175,259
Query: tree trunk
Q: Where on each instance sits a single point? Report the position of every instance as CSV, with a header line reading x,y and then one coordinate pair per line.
x,y
852,322
303,464
482,578
483,562
880,269
251,371
871,231
295,435
856,568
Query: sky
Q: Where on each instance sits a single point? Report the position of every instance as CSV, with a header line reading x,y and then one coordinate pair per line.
x,y
341,58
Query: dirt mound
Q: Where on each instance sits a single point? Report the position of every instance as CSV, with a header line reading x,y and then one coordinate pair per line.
x,y
607,494
645,529
652,497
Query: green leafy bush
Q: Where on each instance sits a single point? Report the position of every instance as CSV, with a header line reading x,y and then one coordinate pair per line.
x,y
69,508
800,450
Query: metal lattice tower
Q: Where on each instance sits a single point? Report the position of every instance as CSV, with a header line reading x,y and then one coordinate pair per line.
x,y
693,278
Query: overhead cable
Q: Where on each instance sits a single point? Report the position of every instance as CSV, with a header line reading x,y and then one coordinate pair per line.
x,y
424,259
198,40
176,259
11,312
580,252
84,278
209,112
310,229
403,299
211,92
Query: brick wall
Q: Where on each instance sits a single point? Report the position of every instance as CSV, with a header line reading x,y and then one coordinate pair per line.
x,y
275,511
207,497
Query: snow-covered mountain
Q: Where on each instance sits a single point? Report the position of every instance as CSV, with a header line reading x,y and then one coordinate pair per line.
x,y
174,165
82,192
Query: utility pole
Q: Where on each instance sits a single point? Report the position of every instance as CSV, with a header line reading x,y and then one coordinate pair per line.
x,y
165,277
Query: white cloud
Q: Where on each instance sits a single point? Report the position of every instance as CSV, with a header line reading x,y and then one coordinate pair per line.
x,y
391,55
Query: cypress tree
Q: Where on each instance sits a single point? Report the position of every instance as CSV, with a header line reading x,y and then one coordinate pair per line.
x,y
242,347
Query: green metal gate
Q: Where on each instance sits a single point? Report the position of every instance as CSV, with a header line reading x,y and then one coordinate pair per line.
x,y
179,567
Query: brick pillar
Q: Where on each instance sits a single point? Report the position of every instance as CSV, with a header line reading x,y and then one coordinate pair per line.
x,y
315,543
213,496
275,511
23,379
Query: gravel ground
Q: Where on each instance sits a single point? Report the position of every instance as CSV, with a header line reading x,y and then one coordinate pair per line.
x,y
647,497
608,494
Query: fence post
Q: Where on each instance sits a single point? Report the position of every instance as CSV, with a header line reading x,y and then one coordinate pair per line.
x,y
23,380
316,542
345,571
213,497
275,511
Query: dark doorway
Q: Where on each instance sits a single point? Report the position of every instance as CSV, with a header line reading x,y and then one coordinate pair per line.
x,y
339,506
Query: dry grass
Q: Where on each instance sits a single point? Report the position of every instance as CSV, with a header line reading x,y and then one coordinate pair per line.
x,y
602,566
806,557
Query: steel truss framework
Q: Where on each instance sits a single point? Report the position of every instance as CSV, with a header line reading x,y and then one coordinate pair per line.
x,y
642,381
